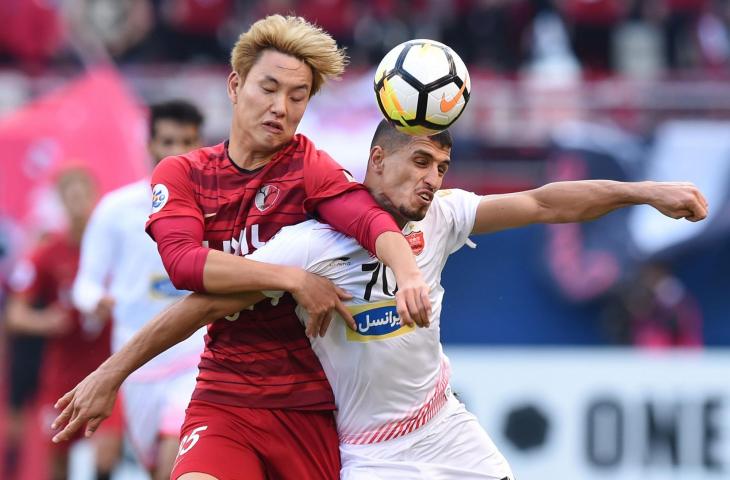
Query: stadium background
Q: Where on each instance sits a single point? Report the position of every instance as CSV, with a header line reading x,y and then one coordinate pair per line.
x,y
588,352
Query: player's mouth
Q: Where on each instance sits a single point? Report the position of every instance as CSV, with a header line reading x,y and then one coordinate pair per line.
x,y
273,126
425,195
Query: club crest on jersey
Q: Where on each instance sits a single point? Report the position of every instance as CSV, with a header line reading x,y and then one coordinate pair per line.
x,y
266,197
160,195
376,321
414,235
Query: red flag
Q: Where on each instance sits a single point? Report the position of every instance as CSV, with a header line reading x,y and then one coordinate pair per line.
x,y
93,122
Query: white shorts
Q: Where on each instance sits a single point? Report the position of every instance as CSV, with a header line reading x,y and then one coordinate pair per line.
x,y
451,445
154,409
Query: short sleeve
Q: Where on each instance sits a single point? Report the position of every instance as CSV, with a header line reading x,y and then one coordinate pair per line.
x,y
324,178
173,194
459,208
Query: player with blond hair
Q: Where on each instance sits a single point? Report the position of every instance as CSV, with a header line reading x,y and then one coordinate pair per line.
x,y
259,379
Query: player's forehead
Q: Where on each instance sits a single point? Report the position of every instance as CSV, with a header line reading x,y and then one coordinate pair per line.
x,y
426,146
277,67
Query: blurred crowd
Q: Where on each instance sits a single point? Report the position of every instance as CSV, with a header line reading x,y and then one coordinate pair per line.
x,y
505,36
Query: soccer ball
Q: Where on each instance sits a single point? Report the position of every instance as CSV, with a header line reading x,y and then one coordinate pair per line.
x,y
422,87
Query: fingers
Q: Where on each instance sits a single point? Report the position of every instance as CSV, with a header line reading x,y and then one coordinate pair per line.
x,y
315,320
343,294
325,325
63,417
92,425
402,308
65,400
70,429
346,315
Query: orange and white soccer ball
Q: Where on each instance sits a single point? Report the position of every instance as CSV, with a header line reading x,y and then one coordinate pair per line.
x,y
422,87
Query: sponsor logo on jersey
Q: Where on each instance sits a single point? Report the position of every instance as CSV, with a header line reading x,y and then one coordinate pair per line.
x,y
341,262
160,195
266,197
162,287
376,321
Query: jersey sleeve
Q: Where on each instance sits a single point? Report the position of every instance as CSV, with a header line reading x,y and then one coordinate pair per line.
x,y
324,178
173,194
459,208
98,246
290,247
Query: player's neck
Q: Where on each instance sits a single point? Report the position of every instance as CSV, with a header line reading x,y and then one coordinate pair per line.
x,y
248,158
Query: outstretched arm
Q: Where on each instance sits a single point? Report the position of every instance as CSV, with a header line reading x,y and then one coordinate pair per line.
x,y
584,200
91,401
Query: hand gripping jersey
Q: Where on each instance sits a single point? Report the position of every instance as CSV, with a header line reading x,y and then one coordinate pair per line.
x,y
388,379
257,358
115,249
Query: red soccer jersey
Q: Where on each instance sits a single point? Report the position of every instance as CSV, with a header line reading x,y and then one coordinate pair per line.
x,y
262,359
69,357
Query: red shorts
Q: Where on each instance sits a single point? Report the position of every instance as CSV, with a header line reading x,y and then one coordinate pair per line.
x,y
238,443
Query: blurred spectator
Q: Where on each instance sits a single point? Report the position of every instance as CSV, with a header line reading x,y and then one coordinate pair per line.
x,y
32,32
654,310
591,24
109,27
39,308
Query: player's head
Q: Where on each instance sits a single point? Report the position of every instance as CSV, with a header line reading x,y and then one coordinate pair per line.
x,y
77,192
404,172
174,129
278,64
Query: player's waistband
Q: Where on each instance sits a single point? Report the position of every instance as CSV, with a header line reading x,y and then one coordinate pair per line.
x,y
408,424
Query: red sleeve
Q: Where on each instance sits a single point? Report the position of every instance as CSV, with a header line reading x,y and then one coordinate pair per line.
x,y
179,242
355,213
173,193
324,178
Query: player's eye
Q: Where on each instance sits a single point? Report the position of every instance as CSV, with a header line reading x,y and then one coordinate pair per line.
x,y
268,89
297,98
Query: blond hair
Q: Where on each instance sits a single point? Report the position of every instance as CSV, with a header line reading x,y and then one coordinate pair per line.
x,y
293,36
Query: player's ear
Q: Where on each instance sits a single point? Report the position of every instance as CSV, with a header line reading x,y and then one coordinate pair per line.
x,y
233,83
377,158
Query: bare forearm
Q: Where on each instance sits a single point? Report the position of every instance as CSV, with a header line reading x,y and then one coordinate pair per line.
x,y
393,250
225,274
171,327
584,200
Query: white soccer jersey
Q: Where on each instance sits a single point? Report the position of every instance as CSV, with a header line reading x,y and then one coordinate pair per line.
x,y
119,258
387,379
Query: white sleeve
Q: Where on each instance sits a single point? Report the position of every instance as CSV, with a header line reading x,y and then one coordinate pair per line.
x,y
459,207
288,247
306,245
98,247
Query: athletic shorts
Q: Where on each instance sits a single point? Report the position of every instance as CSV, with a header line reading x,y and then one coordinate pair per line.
x,y
238,443
154,409
451,446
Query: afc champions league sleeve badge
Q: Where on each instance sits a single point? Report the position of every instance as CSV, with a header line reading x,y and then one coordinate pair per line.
x,y
160,195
